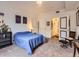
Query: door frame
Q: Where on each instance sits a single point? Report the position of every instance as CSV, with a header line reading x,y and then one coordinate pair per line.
x,y
52,25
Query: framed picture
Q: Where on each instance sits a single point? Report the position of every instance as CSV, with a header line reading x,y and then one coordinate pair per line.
x,y
77,18
63,34
24,20
48,23
63,22
18,19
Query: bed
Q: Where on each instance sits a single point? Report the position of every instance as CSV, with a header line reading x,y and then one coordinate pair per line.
x,y
28,40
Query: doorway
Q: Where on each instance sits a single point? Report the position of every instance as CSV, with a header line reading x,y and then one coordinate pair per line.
x,y
55,28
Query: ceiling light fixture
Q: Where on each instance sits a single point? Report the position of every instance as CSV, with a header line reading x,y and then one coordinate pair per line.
x,y
39,2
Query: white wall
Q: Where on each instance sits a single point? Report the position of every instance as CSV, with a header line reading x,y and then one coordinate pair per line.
x,y
77,27
77,30
12,9
46,30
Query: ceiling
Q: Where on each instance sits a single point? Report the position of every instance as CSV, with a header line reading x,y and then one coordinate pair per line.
x,y
71,4
46,6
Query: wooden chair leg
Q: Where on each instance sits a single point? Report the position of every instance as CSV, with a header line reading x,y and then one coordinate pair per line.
x,y
78,50
70,44
74,52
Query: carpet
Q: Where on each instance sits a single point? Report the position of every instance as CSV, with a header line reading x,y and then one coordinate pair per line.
x,y
49,49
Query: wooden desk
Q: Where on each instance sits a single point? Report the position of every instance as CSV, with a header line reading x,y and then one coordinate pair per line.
x,y
70,41
76,47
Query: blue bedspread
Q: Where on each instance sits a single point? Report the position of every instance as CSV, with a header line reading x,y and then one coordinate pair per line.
x,y
28,40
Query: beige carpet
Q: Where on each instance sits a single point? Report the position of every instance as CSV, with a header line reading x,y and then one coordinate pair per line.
x,y
49,49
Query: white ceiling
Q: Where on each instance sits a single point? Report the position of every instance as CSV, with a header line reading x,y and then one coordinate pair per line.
x,y
45,7
71,4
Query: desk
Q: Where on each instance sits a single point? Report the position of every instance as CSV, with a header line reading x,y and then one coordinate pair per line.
x,y
70,41
76,47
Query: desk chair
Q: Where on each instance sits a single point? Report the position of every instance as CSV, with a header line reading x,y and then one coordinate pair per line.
x,y
68,40
71,37
76,46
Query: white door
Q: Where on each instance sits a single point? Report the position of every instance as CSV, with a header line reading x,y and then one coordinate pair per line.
x,y
64,27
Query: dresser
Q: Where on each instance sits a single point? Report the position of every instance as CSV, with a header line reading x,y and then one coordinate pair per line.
x,y
5,39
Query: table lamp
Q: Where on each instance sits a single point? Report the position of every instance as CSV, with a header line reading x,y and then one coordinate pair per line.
x,y
30,26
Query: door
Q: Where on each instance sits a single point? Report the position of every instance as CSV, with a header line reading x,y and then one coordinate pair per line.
x,y
55,27
64,27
